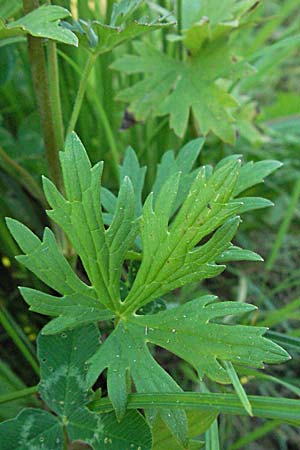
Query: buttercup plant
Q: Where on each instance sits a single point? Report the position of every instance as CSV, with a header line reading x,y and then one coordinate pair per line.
x,y
181,234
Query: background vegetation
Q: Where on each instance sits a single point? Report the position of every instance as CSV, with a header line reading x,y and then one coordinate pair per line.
x,y
267,126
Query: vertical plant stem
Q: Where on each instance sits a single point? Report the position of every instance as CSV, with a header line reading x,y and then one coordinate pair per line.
x,y
8,326
92,95
55,94
42,92
65,439
81,91
283,229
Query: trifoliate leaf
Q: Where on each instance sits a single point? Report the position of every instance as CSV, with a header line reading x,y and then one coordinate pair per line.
x,y
64,389
32,429
42,22
63,372
103,431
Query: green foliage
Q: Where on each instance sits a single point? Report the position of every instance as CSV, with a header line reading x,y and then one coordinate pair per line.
x,y
188,87
63,388
101,38
42,22
171,257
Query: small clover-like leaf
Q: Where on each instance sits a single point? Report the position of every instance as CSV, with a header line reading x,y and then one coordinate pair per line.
x,y
32,429
64,389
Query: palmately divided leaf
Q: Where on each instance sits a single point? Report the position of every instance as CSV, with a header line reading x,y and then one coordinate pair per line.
x,y
42,22
193,85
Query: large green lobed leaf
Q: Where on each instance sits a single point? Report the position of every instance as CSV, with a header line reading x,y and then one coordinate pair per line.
x,y
182,234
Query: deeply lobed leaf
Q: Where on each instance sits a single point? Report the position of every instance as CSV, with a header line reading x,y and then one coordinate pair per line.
x,y
192,86
186,226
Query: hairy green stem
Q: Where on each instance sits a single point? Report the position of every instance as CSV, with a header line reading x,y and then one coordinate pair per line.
x,y
287,410
18,394
55,94
105,122
24,177
81,91
9,328
43,97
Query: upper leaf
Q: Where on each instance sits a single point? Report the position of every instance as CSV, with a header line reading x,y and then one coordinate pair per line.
x,y
100,38
191,86
42,22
